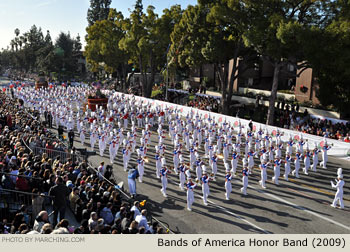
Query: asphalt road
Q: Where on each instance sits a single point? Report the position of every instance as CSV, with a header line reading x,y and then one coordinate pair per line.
x,y
297,206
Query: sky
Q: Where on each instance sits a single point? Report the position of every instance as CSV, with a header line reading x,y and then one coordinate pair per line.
x,y
61,15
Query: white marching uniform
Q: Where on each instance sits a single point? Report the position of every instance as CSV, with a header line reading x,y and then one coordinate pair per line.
x,y
339,194
244,181
295,172
164,179
228,185
325,156
287,161
315,159
205,188
263,174
190,195
276,170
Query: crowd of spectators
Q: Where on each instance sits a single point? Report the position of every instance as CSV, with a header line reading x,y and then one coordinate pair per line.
x,y
205,103
305,123
49,187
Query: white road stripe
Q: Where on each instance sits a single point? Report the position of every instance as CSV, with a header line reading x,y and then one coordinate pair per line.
x,y
303,209
298,207
237,216
227,211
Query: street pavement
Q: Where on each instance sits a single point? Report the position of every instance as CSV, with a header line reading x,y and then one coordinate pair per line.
x,y
297,206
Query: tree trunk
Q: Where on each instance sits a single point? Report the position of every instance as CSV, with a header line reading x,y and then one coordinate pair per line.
x,y
271,110
223,75
148,91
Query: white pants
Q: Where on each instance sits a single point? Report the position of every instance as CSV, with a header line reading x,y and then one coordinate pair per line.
x,y
164,185
141,170
286,171
245,185
228,188
132,186
263,178
205,191
190,198
182,180
276,170
338,197
112,154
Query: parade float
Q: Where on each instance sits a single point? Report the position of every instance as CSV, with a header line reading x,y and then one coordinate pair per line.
x,y
41,82
97,98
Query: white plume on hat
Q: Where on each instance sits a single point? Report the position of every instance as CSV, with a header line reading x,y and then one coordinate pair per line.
x,y
181,158
340,171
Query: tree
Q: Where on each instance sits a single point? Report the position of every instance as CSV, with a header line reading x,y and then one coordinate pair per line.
x,y
330,66
99,10
276,33
45,59
103,45
211,32
65,61
134,41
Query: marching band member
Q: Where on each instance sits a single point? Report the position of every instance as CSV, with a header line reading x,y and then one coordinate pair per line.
x,y
301,145
287,161
93,137
125,158
315,158
158,164
82,135
164,179
102,142
245,180
214,165
234,162
182,170
192,156
140,166
205,185
132,176
190,195
295,172
250,155
307,160
263,173
278,151
228,178
339,194
325,148
276,170
113,148
290,144
198,164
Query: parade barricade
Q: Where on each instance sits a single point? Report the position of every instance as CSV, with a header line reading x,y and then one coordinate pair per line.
x,y
53,154
339,149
